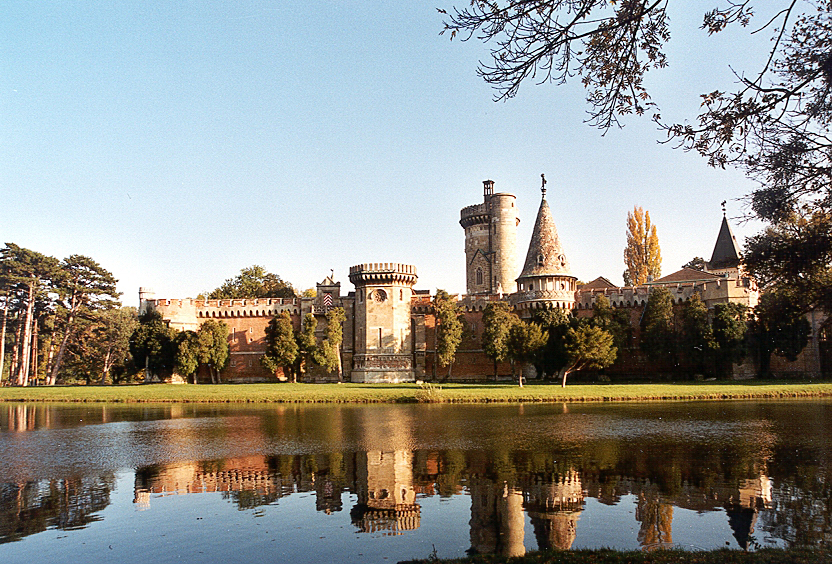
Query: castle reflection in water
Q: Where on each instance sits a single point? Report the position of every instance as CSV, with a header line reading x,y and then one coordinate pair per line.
x,y
767,484
387,487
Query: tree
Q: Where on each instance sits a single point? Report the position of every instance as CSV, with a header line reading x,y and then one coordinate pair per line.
x,y
497,321
696,263
186,358
614,321
84,287
253,282
554,323
449,329
697,341
588,346
729,329
795,255
27,274
213,349
281,346
778,327
642,254
152,344
328,354
526,340
658,337
775,124
307,343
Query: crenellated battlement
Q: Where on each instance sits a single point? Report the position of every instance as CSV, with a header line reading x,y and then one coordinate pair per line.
x,y
474,215
383,273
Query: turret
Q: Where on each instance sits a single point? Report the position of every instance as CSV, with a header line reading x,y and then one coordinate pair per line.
x,y
490,242
546,280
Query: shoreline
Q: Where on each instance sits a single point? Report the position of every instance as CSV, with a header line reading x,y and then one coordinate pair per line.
x,y
415,393
802,555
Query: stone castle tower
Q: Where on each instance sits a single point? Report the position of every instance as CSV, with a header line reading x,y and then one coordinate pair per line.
x,y
383,344
490,243
546,280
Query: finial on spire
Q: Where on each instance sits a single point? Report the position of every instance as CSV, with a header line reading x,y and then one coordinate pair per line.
x,y
723,207
543,184
332,273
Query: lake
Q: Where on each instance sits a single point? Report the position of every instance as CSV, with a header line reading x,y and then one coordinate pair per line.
x,y
377,483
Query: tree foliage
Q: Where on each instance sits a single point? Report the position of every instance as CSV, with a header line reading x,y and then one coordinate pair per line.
x,y
152,344
551,359
696,263
328,354
642,254
588,346
774,124
778,327
253,282
615,321
658,338
730,325
526,341
497,321
449,328
281,346
214,350
696,341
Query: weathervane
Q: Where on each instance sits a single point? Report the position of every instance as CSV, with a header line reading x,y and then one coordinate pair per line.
x,y
543,184
723,207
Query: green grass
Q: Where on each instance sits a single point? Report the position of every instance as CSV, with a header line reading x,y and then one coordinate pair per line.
x,y
405,393
605,556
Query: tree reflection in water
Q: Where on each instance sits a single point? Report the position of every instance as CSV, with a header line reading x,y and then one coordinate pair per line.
x,y
768,484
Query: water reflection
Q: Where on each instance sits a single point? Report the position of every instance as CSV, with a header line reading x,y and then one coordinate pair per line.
x,y
524,473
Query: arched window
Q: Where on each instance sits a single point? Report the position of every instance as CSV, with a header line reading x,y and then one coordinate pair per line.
x,y
479,276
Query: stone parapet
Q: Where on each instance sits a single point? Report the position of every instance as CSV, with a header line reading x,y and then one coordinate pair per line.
x,y
474,215
383,273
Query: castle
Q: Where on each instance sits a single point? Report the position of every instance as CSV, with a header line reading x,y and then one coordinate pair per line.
x,y
389,332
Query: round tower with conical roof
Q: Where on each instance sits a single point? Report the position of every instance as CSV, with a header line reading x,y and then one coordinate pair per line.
x,y
546,281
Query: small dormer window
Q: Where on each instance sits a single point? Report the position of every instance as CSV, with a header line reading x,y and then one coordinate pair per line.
x,y
539,260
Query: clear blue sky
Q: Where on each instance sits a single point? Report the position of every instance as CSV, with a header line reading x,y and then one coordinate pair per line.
x,y
178,142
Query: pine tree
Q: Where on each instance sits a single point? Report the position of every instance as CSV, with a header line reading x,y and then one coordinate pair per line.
x,y
642,254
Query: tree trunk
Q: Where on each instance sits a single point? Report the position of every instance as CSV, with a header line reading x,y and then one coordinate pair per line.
x,y
3,337
73,307
34,371
106,368
496,375
340,366
18,345
23,368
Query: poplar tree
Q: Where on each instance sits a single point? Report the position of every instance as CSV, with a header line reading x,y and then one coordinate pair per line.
x,y
642,254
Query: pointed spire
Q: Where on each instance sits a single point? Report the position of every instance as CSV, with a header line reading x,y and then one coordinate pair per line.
x,y
545,254
726,251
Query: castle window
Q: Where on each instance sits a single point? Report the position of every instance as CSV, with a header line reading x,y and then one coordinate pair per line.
x,y
479,276
401,295
531,286
539,260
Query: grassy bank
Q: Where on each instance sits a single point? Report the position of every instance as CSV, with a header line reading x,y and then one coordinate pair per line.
x,y
405,393
722,556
